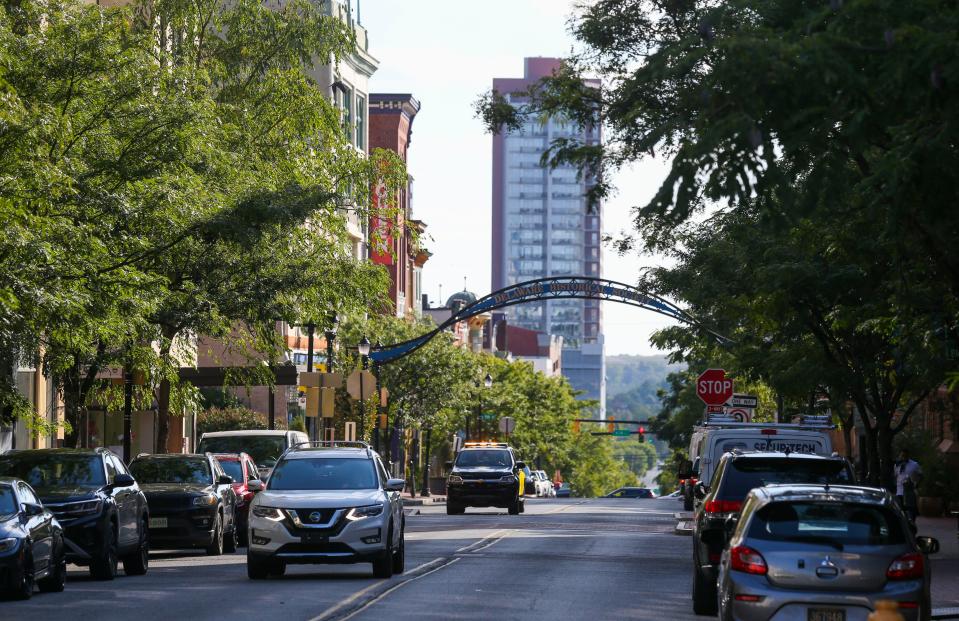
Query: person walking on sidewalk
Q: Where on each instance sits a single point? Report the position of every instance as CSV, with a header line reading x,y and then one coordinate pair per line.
x,y
908,475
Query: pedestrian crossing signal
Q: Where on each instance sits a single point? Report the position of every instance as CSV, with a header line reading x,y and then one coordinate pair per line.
x,y
611,425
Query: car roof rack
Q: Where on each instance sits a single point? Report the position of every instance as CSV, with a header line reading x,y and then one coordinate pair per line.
x,y
331,444
817,421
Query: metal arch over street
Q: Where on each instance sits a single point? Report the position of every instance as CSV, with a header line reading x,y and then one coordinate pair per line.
x,y
554,288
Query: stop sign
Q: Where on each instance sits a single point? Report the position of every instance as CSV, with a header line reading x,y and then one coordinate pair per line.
x,y
713,387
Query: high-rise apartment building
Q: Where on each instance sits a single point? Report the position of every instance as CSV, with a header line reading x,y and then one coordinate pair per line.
x,y
542,227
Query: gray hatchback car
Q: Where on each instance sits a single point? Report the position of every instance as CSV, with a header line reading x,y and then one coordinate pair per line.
x,y
822,553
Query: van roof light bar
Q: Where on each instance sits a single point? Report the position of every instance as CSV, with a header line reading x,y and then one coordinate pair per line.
x,y
485,445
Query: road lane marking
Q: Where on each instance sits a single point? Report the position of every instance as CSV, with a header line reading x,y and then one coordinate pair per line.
x,y
352,606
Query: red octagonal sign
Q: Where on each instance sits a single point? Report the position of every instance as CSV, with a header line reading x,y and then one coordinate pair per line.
x,y
713,387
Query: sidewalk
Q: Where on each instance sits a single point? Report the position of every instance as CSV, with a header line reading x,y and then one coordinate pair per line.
x,y
945,565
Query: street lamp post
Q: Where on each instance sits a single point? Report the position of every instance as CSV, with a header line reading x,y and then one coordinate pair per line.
x,y
310,330
364,350
487,383
330,335
425,488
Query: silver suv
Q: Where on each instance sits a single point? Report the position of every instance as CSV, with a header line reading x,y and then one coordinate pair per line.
x,y
822,553
327,502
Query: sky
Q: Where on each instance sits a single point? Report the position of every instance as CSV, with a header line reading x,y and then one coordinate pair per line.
x,y
446,54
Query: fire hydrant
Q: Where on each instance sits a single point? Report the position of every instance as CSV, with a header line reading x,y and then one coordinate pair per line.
x,y
886,610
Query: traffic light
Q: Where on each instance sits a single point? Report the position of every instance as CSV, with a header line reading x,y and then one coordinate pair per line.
x,y
642,434
575,426
611,425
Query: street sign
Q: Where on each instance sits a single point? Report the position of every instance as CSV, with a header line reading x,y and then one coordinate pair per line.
x,y
621,432
488,416
327,402
331,380
741,415
713,387
361,385
310,379
312,401
744,401
507,424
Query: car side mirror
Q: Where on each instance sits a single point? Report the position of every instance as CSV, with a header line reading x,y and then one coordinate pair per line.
x,y
31,509
928,545
701,490
395,485
224,479
123,480
520,465
255,485
729,526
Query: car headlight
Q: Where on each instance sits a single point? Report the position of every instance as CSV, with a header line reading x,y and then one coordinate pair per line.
x,y
8,544
455,479
205,501
268,513
359,513
508,478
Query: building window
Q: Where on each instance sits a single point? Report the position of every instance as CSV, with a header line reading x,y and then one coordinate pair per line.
x,y
361,122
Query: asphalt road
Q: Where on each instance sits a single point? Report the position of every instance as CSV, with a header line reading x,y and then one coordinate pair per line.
x,y
566,559
562,559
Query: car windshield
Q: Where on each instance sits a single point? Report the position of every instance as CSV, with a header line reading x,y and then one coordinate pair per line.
x,y
8,504
264,450
488,458
233,468
171,470
746,474
830,523
333,473
46,470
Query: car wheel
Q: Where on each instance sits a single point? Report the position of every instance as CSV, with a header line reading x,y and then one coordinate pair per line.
x,y
255,568
104,566
138,563
22,586
215,548
55,582
704,594
399,555
276,569
383,566
230,542
453,508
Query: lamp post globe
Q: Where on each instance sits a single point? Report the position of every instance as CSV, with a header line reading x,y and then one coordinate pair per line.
x,y
364,347
488,381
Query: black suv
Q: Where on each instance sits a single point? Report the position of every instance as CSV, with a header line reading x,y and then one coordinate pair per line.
x,y
102,510
737,474
192,502
485,474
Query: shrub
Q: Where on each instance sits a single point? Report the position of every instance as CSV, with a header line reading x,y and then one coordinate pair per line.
x,y
229,419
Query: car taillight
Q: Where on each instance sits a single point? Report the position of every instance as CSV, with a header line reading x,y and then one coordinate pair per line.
x,y
747,560
722,506
682,481
906,567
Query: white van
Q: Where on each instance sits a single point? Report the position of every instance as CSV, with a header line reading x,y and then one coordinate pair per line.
x,y
264,446
710,441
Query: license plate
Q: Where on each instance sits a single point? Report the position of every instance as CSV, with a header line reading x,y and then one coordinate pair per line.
x,y
826,614
158,522
314,539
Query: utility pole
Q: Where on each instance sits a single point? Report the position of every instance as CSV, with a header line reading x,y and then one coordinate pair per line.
x,y
310,329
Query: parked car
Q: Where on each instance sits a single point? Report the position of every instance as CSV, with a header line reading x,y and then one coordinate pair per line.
x,y
487,474
530,486
264,446
822,553
563,491
99,504
192,502
246,483
631,492
328,504
32,548
546,490
736,474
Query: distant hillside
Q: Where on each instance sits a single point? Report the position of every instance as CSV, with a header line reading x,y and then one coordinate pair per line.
x,y
631,385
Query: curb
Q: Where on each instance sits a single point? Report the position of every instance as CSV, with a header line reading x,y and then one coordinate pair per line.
x,y
420,502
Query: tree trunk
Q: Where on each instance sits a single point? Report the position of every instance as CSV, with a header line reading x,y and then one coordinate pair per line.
x,y
77,384
886,458
872,457
163,392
